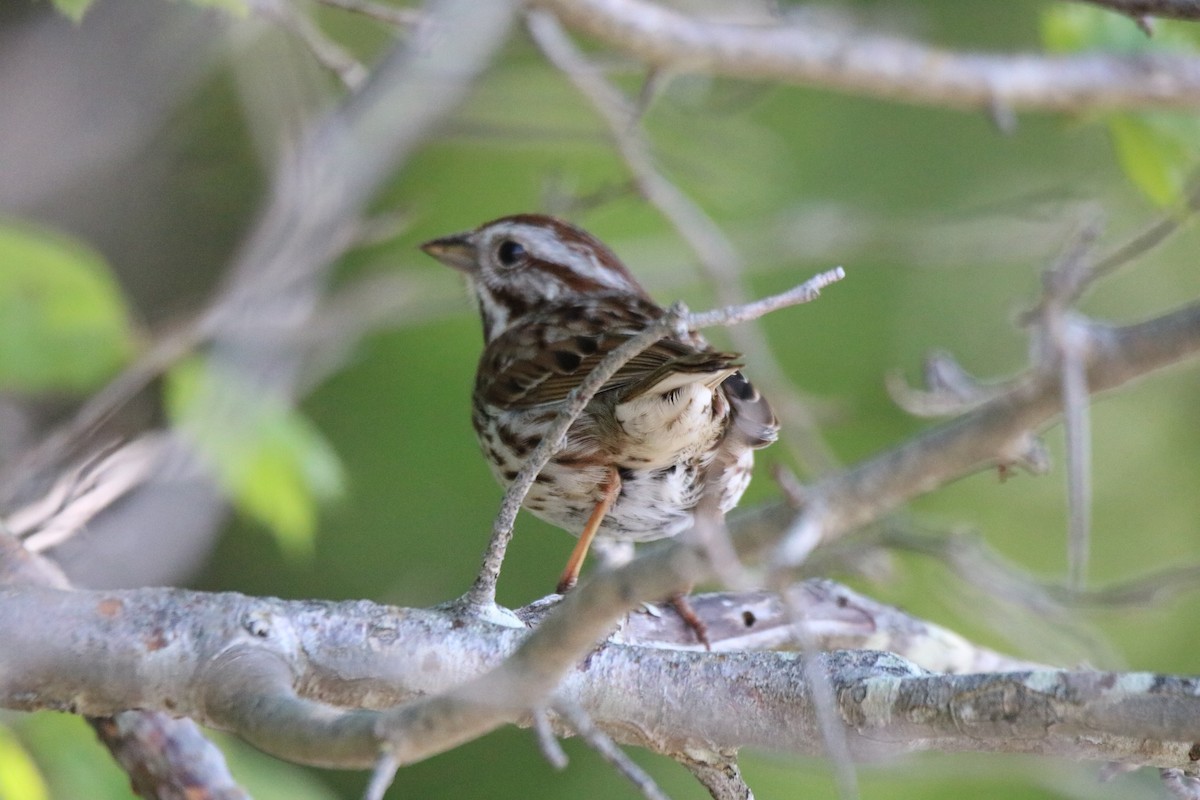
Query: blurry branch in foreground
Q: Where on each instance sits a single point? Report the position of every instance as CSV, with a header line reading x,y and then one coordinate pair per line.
x,y
887,67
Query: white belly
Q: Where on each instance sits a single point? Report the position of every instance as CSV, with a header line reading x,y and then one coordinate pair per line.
x,y
665,442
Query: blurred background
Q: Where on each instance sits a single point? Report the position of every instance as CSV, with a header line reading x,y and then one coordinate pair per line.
x,y
143,138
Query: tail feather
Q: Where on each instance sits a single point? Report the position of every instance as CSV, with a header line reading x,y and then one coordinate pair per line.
x,y
754,422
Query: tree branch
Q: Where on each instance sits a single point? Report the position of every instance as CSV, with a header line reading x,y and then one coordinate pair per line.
x,y
883,66
282,674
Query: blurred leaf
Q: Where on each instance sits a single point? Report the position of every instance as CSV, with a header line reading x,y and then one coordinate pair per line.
x,y
73,763
73,9
1157,152
1069,28
19,775
272,461
267,778
63,323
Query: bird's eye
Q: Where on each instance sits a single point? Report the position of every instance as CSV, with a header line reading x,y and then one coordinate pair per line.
x,y
510,252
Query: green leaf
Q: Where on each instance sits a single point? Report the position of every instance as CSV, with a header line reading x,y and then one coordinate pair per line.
x,y
73,9
63,323
1070,28
272,461
1158,152
19,775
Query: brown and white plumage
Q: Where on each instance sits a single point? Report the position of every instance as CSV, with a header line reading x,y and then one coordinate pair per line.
x,y
675,422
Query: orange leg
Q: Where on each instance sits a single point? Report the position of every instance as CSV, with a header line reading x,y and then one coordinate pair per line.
x,y
690,618
612,488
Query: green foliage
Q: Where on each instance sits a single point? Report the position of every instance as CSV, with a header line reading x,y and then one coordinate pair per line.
x,y
72,763
19,775
1158,151
272,461
75,9
63,323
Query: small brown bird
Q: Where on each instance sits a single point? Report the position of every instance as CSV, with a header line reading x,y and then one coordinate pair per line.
x,y
676,423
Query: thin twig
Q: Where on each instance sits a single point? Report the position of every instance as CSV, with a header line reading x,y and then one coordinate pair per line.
x,y
397,17
381,777
1167,9
834,735
1077,428
600,741
1063,348
732,315
1180,785
547,742
482,594
328,53
713,250
1150,238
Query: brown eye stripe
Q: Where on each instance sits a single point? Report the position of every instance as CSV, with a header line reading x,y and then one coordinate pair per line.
x,y
570,278
576,239
506,297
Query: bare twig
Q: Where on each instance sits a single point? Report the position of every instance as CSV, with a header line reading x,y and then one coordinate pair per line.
x,y
382,777
884,66
1077,425
833,728
328,53
1181,785
482,594
390,15
1167,9
67,443
731,315
547,742
949,389
1063,348
87,490
600,741
1150,238
972,560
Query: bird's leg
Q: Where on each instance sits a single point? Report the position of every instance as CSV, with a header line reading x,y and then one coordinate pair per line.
x,y
690,618
611,488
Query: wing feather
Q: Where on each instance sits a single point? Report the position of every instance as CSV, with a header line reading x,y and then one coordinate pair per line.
x,y
541,361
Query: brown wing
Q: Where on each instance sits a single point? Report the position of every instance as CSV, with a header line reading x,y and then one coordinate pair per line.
x,y
542,360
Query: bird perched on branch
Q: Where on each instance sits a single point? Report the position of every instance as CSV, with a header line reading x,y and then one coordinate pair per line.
x,y
676,424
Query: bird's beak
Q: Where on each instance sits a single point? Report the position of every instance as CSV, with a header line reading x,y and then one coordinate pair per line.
x,y
455,251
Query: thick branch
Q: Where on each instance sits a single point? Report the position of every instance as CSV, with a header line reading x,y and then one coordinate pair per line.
x,y
883,66
271,670
105,658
